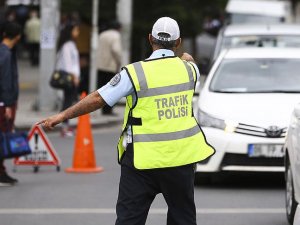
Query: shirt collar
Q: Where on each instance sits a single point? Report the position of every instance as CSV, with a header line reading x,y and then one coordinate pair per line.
x,y
160,53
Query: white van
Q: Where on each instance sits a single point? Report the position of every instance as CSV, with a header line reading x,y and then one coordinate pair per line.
x,y
258,11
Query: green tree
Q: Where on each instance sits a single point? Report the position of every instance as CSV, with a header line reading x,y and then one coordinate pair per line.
x,y
107,9
188,13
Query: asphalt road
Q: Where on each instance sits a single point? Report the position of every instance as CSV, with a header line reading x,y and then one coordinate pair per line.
x,y
49,197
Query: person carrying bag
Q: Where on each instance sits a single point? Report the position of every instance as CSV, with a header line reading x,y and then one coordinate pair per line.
x,y
13,144
60,78
67,71
9,92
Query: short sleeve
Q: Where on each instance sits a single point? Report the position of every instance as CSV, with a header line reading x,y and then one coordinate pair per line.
x,y
120,86
197,70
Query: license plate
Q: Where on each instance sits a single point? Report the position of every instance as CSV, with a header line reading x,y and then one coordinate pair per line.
x,y
266,150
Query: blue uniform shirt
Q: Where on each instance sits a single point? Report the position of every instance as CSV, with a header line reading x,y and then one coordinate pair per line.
x,y
111,94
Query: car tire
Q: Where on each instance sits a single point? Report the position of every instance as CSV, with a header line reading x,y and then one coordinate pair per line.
x,y
290,200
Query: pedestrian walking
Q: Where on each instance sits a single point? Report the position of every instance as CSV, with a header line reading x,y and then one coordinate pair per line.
x,y
32,33
109,55
68,61
161,140
9,88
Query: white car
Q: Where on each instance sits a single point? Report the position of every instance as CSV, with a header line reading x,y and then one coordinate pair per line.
x,y
292,166
257,35
258,11
245,106
297,216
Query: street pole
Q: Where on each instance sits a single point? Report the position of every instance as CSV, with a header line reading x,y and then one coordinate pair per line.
x,y
94,45
124,14
49,32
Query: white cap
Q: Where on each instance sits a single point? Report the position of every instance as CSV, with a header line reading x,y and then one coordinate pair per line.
x,y
166,25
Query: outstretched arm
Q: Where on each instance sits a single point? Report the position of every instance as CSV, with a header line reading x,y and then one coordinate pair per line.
x,y
89,104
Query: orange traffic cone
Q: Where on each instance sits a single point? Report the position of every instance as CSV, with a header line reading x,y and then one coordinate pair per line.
x,y
84,157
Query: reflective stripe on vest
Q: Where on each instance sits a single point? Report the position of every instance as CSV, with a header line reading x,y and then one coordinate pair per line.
x,y
167,134
145,92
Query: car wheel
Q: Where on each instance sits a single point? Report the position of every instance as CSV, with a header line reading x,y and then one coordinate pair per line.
x,y
291,203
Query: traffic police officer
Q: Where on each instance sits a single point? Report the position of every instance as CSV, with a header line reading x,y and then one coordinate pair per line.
x,y
161,140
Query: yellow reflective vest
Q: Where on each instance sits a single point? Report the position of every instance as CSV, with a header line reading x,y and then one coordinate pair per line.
x,y
164,130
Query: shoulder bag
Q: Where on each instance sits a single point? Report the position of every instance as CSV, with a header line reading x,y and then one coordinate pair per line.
x,y
13,144
61,79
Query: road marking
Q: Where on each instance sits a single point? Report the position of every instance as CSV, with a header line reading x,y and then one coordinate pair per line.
x,y
152,211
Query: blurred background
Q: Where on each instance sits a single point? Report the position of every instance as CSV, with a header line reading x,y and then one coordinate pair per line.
x,y
244,108
191,15
199,21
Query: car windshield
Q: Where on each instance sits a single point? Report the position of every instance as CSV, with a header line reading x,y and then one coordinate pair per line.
x,y
261,41
237,18
257,76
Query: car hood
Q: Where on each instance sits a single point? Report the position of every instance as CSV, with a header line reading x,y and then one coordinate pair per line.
x,y
264,110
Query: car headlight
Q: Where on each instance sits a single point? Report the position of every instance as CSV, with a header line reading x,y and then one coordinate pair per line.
x,y
206,120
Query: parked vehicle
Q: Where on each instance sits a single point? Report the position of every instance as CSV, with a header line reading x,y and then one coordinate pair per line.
x,y
292,165
205,47
297,216
258,11
244,108
259,35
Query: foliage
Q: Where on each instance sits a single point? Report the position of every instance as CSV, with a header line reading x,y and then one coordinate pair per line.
x,y
107,9
188,13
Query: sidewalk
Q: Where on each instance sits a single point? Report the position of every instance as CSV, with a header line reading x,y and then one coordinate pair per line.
x,y
26,116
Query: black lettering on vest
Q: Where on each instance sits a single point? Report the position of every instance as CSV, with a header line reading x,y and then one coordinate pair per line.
x,y
179,114
157,103
174,113
176,100
164,102
184,99
171,102
183,112
168,113
172,107
161,113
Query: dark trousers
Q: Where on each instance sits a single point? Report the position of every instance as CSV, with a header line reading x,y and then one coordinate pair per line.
x,y
103,77
34,52
138,188
70,97
6,126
